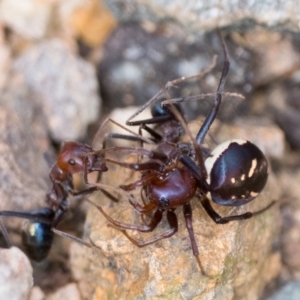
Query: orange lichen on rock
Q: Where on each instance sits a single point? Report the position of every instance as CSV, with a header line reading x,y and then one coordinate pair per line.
x,y
93,23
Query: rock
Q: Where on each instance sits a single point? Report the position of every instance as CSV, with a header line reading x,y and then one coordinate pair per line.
x,y
267,136
69,291
290,291
30,19
274,54
290,236
15,274
5,58
92,22
237,255
197,16
36,294
24,171
66,85
138,61
283,102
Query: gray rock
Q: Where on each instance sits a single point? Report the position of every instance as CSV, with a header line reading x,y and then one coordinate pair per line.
x,y
290,291
137,62
70,291
15,274
198,15
66,84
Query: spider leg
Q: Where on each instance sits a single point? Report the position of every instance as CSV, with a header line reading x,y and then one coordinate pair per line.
x,y
169,85
172,220
187,212
218,97
223,220
156,219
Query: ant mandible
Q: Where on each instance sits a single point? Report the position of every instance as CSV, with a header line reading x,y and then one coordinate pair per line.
x,y
233,174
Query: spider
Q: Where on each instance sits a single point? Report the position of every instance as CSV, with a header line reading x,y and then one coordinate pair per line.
x,y
233,174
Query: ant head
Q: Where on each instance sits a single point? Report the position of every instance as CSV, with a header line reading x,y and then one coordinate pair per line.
x,y
70,158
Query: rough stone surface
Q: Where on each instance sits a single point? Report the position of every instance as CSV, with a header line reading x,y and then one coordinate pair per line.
x,y
199,15
5,58
69,291
290,238
290,291
283,101
237,256
15,274
29,17
23,172
36,294
138,61
91,22
252,129
66,84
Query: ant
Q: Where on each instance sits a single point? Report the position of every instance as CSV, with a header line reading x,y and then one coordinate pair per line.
x,y
233,174
37,238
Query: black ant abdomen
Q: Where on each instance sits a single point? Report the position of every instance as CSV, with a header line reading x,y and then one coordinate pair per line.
x,y
37,237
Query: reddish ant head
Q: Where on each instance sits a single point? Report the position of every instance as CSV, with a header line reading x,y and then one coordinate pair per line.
x,y
72,159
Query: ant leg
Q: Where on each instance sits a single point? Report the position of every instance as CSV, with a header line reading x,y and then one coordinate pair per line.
x,y
201,170
153,120
37,216
156,136
223,220
218,97
172,220
151,165
121,136
5,235
71,237
137,150
92,190
199,97
141,182
133,134
156,219
168,85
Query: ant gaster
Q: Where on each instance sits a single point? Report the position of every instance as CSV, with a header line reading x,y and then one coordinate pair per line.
x,y
233,174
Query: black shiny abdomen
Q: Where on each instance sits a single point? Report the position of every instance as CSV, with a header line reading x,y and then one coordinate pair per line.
x,y
239,173
37,240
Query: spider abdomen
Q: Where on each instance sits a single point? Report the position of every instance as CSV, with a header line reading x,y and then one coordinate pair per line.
x,y
237,172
